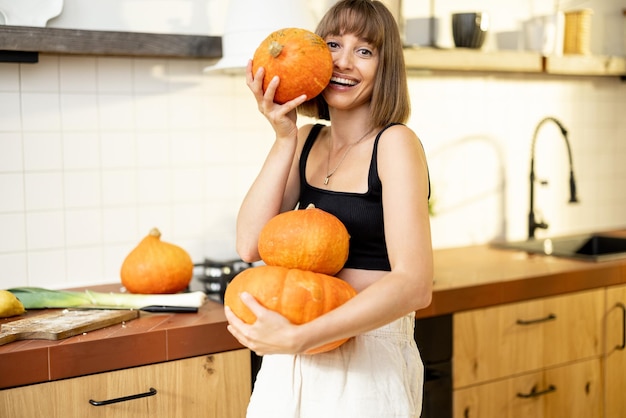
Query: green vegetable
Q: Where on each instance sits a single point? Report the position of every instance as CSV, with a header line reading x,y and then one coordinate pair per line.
x,y
39,298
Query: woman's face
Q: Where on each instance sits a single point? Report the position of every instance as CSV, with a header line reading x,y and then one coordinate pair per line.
x,y
355,62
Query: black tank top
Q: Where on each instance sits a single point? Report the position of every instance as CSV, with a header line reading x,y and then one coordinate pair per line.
x,y
361,213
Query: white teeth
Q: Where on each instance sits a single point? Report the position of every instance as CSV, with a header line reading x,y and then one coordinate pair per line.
x,y
344,81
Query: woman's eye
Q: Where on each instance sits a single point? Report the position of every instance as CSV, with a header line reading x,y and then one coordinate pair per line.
x,y
332,45
365,52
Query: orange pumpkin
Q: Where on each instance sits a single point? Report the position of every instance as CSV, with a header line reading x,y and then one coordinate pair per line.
x,y
155,266
309,239
299,57
298,295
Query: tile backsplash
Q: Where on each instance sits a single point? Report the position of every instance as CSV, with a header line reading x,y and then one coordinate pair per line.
x,y
95,151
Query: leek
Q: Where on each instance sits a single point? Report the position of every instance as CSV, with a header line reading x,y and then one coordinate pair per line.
x,y
39,298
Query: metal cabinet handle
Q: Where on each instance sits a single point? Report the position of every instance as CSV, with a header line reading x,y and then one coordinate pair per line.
x,y
535,393
550,317
623,308
151,392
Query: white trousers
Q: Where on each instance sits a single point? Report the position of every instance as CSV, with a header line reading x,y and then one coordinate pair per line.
x,y
378,374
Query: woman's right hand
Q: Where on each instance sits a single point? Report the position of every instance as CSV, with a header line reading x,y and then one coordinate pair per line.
x,y
281,117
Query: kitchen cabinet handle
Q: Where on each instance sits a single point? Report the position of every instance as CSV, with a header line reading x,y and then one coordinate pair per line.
x,y
535,393
151,392
550,317
623,308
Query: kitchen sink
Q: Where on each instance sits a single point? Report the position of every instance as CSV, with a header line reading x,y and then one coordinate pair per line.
x,y
590,247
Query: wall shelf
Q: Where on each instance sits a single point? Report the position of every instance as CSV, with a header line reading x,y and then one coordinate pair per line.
x,y
24,39
89,42
463,59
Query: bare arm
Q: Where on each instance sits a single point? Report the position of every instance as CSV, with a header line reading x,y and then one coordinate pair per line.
x,y
276,187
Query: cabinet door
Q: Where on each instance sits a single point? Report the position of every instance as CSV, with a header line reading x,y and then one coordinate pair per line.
x,y
572,391
213,386
516,338
615,360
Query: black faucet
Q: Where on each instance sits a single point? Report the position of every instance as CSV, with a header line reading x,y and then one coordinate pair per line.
x,y
532,223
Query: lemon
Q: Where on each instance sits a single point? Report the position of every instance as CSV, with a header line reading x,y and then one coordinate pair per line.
x,y
10,305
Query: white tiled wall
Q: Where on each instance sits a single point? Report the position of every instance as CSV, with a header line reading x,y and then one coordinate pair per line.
x,y
96,151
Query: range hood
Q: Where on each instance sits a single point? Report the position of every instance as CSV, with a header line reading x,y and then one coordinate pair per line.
x,y
248,22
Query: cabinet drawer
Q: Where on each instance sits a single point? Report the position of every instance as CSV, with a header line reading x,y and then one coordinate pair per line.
x,y
573,391
497,342
212,386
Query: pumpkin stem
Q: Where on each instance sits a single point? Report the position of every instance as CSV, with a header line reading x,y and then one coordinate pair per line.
x,y
154,232
311,206
275,49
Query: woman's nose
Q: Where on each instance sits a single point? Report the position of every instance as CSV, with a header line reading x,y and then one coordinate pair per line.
x,y
343,59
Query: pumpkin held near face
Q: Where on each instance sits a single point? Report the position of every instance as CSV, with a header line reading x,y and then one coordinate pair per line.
x,y
299,57
302,249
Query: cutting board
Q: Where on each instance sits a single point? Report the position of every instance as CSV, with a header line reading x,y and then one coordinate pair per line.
x,y
62,324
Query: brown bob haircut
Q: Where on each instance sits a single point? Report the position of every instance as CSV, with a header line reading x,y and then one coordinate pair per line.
x,y
372,21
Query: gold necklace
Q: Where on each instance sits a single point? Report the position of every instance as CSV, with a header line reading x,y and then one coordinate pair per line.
x,y
330,143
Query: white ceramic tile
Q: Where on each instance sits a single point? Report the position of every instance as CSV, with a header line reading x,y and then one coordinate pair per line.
x,y
11,157
79,112
152,112
47,268
119,225
81,150
82,189
77,74
149,75
187,112
83,227
187,220
154,216
42,151
188,185
118,150
12,189
45,230
153,149
114,75
153,186
43,191
187,148
116,112
84,265
13,270
41,77
13,236
10,114
119,187
10,77
41,112
113,257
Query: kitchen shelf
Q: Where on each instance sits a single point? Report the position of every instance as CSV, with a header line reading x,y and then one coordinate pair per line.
x,y
19,41
90,42
463,59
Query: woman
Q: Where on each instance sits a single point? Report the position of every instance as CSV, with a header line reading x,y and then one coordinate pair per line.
x,y
363,161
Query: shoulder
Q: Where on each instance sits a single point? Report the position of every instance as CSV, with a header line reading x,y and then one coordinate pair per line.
x,y
397,138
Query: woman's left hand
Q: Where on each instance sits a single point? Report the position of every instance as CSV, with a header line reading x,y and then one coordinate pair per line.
x,y
272,333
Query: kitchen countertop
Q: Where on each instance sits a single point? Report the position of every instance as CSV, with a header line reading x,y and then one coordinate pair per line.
x,y
465,278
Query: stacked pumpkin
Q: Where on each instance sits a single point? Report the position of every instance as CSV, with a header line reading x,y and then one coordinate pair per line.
x,y
302,250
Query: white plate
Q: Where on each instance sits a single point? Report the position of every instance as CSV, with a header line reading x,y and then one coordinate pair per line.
x,y
29,12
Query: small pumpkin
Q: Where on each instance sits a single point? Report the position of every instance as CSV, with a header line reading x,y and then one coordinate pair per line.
x,y
298,295
309,239
155,267
299,57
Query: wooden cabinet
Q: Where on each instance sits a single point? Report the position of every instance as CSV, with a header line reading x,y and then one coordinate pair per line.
x,y
615,352
528,358
211,386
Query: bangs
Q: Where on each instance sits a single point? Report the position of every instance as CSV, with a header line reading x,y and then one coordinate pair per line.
x,y
357,18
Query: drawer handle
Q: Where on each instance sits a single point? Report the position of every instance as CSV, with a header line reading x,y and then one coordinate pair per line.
x,y
151,392
550,317
623,308
534,392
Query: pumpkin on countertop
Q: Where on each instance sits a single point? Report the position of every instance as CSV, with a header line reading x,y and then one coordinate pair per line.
x,y
309,239
299,57
156,267
298,295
